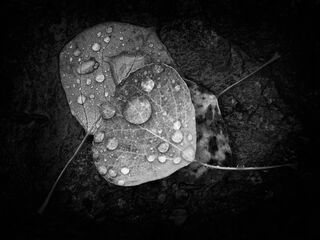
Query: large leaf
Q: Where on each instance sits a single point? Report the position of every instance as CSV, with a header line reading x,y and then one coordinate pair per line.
x,y
148,129
100,57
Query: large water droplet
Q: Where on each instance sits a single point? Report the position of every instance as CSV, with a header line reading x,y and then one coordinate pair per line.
x,y
162,158
112,144
98,137
107,110
125,170
188,154
88,66
100,77
163,147
177,125
81,99
177,136
147,85
137,110
96,47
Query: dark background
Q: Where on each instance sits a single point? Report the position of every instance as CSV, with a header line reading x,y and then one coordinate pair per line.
x,y
282,204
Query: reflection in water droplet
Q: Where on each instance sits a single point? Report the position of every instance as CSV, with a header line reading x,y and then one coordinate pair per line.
x,y
98,137
112,144
151,158
162,159
147,85
96,47
125,170
100,78
177,160
112,173
102,170
107,110
177,125
81,99
137,110
188,154
177,136
163,147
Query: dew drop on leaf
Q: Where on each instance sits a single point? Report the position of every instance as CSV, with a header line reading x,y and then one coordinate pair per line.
x,y
81,99
112,144
188,154
147,85
100,78
98,137
137,110
102,170
112,173
151,158
177,160
163,147
107,110
96,47
177,136
162,159
87,67
177,125
125,170
77,52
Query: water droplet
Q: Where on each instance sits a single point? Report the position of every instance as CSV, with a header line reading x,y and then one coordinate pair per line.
x,y
157,68
177,136
177,125
137,110
151,158
78,81
177,160
112,173
77,52
102,170
107,110
88,81
98,137
177,88
162,159
163,147
100,78
106,94
109,29
121,182
147,85
188,154
151,45
107,39
189,137
96,47
121,38
81,99
125,170
99,34
112,144
87,67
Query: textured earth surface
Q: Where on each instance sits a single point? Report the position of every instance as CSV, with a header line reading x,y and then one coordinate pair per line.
x,y
267,118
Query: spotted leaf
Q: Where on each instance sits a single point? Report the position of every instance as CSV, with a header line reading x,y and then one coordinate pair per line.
x,y
152,132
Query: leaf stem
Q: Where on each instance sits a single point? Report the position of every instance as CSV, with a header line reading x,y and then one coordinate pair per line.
x,y
248,168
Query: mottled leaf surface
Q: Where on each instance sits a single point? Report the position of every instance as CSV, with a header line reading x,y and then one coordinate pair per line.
x,y
153,131
100,57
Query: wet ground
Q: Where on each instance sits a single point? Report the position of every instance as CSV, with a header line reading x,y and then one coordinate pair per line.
x,y
271,119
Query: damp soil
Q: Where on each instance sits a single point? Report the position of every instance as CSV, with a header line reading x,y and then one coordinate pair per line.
x,y
271,119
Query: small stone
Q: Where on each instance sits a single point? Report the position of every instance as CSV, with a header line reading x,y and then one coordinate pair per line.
x,y
163,147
